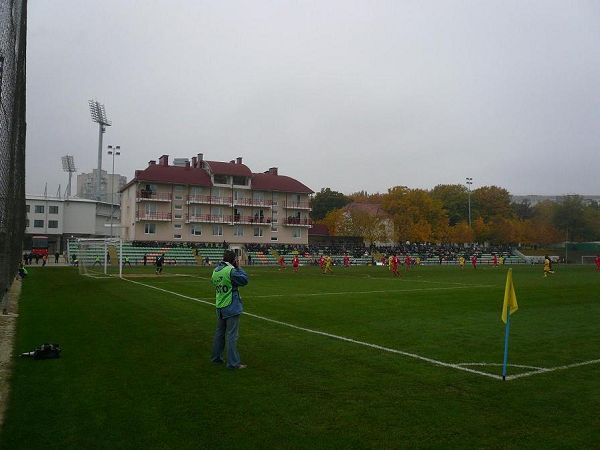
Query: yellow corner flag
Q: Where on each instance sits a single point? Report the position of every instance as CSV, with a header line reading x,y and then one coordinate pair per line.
x,y
510,299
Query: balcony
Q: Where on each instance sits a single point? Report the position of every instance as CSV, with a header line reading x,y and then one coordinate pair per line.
x,y
298,205
209,200
152,196
253,202
207,218
154,216
250,220
295,222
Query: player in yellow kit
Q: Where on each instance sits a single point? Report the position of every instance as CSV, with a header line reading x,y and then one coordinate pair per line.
x,y
461,262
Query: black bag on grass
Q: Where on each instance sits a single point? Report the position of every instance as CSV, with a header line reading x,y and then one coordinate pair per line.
x,y
44,351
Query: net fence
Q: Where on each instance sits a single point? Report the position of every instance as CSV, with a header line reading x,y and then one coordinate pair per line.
x,y
13,28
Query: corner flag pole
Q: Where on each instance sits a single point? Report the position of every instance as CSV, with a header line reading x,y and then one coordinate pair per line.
x,y
508,308
506,332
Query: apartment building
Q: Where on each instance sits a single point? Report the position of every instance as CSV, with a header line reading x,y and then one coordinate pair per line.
x,y
212,201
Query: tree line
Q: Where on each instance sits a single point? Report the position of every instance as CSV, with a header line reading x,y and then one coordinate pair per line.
x,y
442,215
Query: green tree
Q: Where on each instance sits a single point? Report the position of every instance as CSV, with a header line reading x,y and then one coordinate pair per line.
x,y
325,201
574,217
455,199
490,202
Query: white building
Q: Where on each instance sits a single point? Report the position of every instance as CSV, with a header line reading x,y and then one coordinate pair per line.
x,y
61,219
109,185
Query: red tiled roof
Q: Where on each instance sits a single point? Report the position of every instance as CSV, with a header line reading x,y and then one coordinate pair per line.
x,y
227,168
370,208
171,174
280,183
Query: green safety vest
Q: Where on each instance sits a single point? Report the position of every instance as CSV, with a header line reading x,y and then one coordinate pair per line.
x,y
221,280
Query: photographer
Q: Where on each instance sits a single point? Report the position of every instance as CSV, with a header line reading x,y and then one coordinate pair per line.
x,y
226,278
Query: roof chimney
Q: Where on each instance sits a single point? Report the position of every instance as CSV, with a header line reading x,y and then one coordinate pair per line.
x,y
239,159
163,160
187,164
200,160
152,162
194,161
273,171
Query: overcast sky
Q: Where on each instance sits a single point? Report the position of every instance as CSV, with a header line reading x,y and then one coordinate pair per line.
x,y
352,95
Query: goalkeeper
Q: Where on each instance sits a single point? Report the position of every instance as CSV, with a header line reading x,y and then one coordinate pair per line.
x,y
226,278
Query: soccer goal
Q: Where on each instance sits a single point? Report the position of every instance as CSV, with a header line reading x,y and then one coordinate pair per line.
x,y
588,259
97,258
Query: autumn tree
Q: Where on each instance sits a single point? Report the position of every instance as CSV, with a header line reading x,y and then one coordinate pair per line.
x,y
455,200
489,202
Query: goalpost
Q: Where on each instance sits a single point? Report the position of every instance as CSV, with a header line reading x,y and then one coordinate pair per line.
x,y
588,259
97,257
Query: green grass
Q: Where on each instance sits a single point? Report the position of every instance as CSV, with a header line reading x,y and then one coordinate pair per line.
x,y
135,370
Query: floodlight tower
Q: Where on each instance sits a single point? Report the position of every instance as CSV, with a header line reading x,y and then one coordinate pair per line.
x,y
469,184
68,164
99,116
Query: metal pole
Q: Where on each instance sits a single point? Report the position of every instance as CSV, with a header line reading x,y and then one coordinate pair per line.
x,y
99,175
112,191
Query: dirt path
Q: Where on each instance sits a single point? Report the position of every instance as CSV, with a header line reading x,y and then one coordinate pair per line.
x,y
8,323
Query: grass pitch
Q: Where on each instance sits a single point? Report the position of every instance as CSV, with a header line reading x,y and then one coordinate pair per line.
x,y
356,359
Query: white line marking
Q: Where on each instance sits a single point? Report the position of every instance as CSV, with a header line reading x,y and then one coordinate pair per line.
x,y
499,364
552,369
334,336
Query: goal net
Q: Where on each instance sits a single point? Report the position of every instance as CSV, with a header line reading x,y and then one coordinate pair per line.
x,y
588,259
97,258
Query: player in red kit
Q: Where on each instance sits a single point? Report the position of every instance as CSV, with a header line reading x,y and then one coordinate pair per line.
x,y
322,262
407,262
281,262
394,265
295,263
474,261
597,261
495,260
346,261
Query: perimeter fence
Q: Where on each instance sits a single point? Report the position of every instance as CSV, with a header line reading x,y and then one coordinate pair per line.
x,y
13,39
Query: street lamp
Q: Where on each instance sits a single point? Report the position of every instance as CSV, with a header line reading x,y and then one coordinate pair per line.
x,y
469,183
114,151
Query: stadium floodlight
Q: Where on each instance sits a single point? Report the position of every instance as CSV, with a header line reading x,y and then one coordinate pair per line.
x,y
469,183
98,113
68,164
114,151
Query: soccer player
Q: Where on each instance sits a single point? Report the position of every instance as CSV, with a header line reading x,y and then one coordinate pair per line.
x,y
474,261
227,278
407,262
126,261
322,263
281,262
547,266
501,260
495,260
295,263
461,262
394,266
328,264
160,260
346,260
597,261
96,261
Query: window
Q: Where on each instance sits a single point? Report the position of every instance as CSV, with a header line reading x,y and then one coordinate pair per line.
x,y
297,232
39,209
150,208
197,230
28,208
53,209
258,232
273,238
176,236
221,179
150,228
179,188
178,215
178,206
178,197
38,223
52,223
274,229
238,230
196,210
217,230
177,226
240,181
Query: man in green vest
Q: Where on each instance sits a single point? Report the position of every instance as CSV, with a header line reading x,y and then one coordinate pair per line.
x,y
226,278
